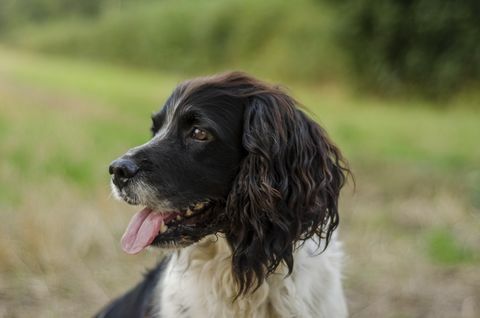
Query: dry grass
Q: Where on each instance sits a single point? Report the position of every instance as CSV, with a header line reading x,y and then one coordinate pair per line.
x,y
411,228
60,254
389,231
60,257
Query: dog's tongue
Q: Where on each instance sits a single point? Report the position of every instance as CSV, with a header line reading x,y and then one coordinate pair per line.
x,y
141,231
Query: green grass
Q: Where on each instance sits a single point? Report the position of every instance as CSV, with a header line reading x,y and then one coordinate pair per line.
x,y
444,248
402,131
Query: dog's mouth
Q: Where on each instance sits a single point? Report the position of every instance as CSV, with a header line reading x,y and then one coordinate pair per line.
x,y
154,227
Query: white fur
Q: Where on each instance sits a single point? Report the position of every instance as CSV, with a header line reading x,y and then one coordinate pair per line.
x,y
144,195
198,282
162,133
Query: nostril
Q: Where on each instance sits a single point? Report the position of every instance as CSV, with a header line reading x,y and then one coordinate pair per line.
x,y
123,168
121,173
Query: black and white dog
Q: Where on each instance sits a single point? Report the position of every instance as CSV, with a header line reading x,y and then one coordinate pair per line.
x,y
242,188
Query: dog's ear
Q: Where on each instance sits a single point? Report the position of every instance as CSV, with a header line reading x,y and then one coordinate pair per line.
x,y
286,191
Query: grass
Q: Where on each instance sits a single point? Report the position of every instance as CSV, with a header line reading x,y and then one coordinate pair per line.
x,y
403,130
444,248
411,229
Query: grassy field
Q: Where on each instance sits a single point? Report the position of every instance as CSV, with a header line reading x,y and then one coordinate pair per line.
x,y
411,227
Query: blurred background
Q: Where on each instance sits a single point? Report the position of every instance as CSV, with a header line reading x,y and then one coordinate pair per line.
x,y
395,83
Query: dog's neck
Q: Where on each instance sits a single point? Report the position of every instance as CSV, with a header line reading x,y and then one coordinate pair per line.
x,y
198,282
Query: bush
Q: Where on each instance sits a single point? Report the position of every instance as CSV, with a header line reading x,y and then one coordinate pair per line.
x,y
15,12
431,46
288,39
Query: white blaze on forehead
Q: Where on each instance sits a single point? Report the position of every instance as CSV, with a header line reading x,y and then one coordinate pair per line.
x,y
163,132
167,124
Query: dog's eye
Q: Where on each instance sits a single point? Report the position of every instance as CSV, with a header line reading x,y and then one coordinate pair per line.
x,y
200,134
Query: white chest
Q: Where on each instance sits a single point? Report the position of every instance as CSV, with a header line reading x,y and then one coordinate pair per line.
x,y
198,283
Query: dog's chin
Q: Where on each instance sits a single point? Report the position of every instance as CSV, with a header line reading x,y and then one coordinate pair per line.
x,y
177,227
188,226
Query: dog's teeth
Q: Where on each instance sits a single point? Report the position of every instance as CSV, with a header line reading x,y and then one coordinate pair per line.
x,y
199,206
188,212
163,228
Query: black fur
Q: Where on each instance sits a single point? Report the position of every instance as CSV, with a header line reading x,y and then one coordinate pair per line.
x,y
272,174
138,301
286,191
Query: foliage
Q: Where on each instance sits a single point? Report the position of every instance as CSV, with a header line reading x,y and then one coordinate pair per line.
x,y
16,12
282,38
429,46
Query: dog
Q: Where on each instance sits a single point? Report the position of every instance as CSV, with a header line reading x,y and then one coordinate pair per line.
x,y
241,188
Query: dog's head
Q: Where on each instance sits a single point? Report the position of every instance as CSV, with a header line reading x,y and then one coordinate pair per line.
x,y
234,156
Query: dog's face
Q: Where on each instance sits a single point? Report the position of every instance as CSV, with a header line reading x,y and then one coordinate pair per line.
x,y
185,172
232,155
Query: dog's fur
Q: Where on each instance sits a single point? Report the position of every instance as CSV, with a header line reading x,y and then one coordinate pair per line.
x,y
271,179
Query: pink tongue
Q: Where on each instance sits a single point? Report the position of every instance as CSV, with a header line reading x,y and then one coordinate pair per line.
x,y
141,231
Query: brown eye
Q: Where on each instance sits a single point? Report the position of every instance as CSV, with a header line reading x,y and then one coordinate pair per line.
x,y
199,134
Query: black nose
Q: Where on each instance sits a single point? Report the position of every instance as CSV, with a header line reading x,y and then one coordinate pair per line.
x,y
122,170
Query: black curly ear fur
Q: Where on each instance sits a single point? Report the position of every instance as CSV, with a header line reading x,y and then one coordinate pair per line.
x,y
287,188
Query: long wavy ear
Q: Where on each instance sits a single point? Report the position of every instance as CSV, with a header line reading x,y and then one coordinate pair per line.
x,y
286,191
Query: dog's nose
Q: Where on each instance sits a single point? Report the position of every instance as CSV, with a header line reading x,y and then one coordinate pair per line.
x,y
123,169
